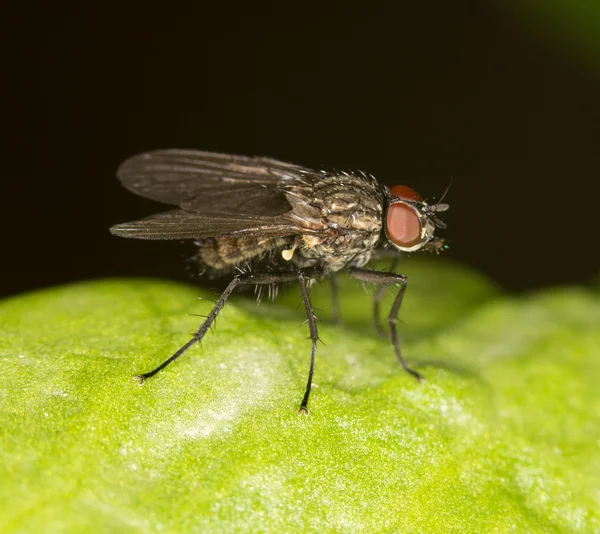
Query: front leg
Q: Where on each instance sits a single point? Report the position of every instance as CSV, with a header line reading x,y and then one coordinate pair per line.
x,y
382,277
379,296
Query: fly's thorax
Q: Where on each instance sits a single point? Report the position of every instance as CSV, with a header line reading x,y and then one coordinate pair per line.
x,y
343,216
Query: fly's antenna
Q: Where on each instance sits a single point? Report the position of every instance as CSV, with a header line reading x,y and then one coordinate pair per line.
x,y
439,207
439,202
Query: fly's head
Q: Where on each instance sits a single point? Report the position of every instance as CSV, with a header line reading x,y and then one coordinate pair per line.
x,y
410,222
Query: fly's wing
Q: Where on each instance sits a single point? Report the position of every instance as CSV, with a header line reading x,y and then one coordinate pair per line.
x,y
180,224
207,182
218,195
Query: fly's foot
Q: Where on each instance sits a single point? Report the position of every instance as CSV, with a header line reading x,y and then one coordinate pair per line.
x,y
418,377
140,379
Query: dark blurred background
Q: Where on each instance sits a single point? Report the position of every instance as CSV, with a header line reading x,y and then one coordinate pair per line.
x,y
491,94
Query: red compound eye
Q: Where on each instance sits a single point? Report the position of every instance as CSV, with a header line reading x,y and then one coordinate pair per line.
x,y
406,193
403,225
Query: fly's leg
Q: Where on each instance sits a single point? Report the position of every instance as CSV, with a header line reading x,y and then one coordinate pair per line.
x,y
238,281
381,277
379,296
314,336
335,300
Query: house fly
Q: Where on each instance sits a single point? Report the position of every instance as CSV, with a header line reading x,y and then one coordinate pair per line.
x,y
264,222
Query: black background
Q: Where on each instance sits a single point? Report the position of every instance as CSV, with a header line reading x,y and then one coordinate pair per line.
x,y
415,93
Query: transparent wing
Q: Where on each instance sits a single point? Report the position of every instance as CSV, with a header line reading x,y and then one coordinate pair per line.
x,y
208,182
180,224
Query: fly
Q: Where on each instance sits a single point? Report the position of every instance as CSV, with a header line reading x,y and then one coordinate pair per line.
x,y
264,222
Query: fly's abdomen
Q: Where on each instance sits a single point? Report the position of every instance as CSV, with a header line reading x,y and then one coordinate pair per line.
x,y
225,252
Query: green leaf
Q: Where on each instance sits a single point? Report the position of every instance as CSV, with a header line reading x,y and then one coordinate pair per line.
x,y
503,436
